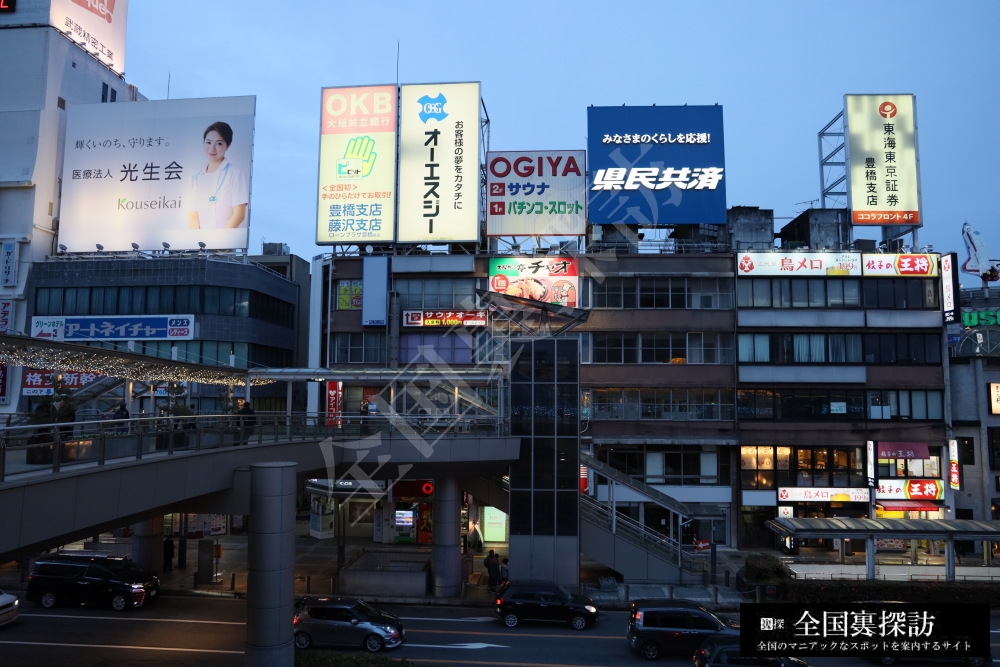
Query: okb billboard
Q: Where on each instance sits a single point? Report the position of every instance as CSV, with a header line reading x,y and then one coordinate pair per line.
x,y
656,166
149,173
357,165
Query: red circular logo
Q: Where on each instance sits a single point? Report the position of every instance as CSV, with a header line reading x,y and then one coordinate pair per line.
x,y
427,489
500,283
887,110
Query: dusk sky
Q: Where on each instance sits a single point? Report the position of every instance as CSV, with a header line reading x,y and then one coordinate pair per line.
x,y
779,69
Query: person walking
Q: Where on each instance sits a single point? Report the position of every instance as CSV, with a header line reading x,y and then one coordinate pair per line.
x,y
504,571
168,554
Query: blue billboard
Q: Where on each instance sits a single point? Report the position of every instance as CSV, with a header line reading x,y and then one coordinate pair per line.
x,y
654,166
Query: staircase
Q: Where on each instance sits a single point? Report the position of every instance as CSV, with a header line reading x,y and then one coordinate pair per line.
x,y
638,553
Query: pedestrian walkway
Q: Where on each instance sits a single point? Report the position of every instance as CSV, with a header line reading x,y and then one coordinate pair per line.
x,y
316,568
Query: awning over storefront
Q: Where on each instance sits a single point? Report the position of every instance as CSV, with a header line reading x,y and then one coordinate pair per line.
x,y
903,450
908,506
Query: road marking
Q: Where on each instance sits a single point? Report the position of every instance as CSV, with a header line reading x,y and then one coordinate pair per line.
x,y
131,618
507,632
128,648
470,619
474,645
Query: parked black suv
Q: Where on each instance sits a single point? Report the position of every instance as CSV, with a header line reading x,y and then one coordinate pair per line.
x,y
678,627
543,601
90,578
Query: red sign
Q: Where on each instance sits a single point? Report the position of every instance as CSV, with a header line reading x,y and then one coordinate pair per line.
x,y
701,545
334,403
924,489
444,318
953,474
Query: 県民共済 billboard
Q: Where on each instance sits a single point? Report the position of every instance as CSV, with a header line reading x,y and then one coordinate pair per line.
x,y
882,159
357,165
654,166
173,172
536,193
439,163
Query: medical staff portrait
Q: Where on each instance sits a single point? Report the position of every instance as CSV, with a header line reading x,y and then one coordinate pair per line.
x,y
218,193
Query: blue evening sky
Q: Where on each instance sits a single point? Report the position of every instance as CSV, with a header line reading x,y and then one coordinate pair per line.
x,y
779,68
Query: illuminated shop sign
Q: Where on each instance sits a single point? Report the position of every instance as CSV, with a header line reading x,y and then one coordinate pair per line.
x,y
444,318
915,489
823,494
798,264
912,264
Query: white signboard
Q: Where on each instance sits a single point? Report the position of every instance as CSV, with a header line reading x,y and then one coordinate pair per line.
x,y
822,494
882,163
536,193
798,263
96,26
911,264
149,173
439,163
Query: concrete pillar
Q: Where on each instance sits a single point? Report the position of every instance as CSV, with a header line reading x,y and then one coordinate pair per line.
x,y
271,565
446,556
147,544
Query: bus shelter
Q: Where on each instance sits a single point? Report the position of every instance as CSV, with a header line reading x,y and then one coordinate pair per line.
x,y
869,530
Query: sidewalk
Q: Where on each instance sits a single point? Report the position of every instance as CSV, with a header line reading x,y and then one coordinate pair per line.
x,y
316,566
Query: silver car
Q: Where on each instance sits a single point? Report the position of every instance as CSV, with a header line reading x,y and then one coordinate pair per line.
x,y
8,608
343,621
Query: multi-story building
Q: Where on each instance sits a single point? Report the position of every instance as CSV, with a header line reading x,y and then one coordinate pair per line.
x,y
742,379
974,376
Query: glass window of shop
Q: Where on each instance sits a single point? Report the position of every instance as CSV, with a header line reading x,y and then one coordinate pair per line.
x,y
929,468
824,467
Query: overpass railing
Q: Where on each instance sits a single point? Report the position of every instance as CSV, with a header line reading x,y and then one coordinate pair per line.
x,y
49,448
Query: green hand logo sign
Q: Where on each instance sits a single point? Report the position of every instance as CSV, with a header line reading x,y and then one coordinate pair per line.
x,y
363,149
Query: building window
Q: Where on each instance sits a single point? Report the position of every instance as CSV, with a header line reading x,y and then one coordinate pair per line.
x,y
925,468
615,348
348,296
901,294
757,466
662,293
450,293
796,404
798,293
682,404
905,404
359,348
614,293
993,438
800,348
452,348
967,451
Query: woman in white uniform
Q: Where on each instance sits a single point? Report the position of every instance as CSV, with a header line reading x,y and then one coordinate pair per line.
x,y
218,194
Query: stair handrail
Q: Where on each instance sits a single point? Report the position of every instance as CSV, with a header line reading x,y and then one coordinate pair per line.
x,y
632,531
655,495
